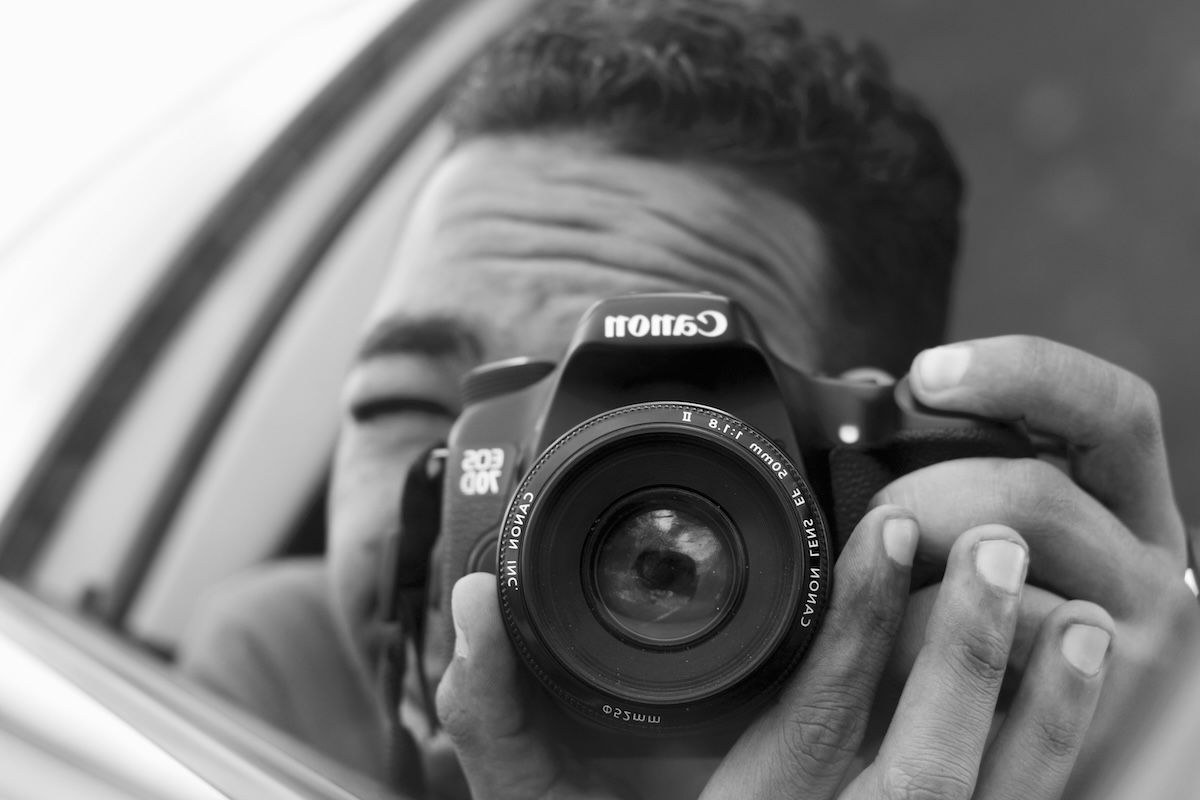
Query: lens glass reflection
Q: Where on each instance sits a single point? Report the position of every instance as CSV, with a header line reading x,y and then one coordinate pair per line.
x,y
665,570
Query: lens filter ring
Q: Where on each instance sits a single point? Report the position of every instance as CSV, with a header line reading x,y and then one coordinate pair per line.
x,y
662,566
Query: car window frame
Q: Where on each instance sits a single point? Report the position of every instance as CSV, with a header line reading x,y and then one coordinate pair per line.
x,y
32,519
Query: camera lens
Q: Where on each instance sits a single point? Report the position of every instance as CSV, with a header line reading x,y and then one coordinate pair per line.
x,y
664,570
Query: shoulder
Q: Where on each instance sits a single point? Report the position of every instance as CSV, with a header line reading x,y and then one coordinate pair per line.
x,y
267,641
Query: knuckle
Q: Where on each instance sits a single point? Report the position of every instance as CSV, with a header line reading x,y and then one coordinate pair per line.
x,y
822,734
1057,740
1141,410
455,716
1039,490
880,616
1035,352
927,778
980,656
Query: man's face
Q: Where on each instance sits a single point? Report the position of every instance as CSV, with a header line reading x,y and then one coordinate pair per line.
x,y
509,244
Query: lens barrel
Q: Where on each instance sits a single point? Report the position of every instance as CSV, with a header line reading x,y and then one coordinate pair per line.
x,y
662,568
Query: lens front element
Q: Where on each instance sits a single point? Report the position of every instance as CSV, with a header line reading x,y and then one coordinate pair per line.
x,y
664,567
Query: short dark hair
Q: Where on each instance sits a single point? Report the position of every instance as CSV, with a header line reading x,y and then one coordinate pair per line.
x,y
744,84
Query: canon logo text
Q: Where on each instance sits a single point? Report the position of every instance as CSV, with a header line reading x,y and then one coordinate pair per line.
x,y
709,324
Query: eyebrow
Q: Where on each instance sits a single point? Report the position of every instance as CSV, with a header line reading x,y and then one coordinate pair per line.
x,y
435,336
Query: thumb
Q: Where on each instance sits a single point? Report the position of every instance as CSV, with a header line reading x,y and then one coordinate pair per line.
x,y
484,702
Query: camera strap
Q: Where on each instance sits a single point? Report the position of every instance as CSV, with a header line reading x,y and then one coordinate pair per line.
x,y
400,615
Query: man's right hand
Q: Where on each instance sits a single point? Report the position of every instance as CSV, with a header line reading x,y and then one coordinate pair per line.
x,y
806,743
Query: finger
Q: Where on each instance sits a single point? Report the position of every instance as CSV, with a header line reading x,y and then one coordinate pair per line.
x,y
484,705
1079,549
1109,417
805,742
936,739
1035,606
1032,756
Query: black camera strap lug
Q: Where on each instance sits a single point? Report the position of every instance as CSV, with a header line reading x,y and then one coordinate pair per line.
x,y
403,583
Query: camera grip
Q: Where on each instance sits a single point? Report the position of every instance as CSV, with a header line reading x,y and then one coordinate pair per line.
x,y
857,473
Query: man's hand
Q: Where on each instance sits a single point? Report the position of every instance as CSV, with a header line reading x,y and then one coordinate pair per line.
x,y
1103,529
805,744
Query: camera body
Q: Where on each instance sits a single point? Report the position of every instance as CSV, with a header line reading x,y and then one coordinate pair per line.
x,y
658,506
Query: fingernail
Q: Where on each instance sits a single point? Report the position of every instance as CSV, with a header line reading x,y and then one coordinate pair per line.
x,y
942,368
462,648
900,539
1084,647
1001,562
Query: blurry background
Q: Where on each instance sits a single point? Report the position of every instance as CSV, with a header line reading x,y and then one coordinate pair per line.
x,y
1078,125
84,83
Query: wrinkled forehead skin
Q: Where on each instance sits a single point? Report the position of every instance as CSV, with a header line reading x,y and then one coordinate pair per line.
x,y
521,234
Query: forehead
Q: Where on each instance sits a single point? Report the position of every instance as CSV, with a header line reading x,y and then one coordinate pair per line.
x,y
515,237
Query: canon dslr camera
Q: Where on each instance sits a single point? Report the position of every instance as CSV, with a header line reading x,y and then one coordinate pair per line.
x,y
658,506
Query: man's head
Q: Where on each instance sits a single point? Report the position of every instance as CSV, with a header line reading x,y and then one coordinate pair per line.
x,y
745,87
617,146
